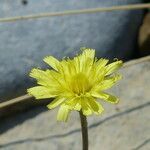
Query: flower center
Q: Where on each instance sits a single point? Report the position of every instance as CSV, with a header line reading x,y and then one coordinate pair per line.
x,y
80,84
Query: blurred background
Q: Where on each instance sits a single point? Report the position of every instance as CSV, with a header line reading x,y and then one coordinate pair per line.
x,y
121,34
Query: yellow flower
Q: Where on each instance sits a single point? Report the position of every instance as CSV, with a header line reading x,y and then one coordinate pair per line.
x,y
76,83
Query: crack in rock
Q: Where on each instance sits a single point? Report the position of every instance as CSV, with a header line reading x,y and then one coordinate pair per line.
x,y
142,145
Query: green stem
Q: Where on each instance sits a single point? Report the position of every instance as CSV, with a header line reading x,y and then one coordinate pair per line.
x,y
84,131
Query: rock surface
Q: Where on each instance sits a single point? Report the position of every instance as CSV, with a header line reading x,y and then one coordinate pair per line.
x,y
23,44
125,126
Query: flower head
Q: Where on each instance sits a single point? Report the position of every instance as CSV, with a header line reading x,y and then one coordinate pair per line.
x,y
76,83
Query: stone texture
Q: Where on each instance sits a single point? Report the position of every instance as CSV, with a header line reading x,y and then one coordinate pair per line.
x,y
23,44
124,126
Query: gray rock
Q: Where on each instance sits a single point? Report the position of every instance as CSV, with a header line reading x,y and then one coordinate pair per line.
x,y
23,44
124,126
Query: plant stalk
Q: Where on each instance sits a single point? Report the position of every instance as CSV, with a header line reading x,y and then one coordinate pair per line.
x,y
84,131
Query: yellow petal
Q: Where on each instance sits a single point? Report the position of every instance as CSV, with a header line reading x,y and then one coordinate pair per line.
x,y
40,92
58,83
40,76
74,103
45,78
95,106
84,61
98,71
113,67
67,68
37,73
105,96
63,113
55,102
53,62
78,106
107,83
101,63
85,107
88,53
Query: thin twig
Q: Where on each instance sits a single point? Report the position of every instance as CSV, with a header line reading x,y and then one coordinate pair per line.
x,y
15,100
75,12
27,97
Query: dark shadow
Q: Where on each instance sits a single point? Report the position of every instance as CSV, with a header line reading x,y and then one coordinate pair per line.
x,y
11,121
145,47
